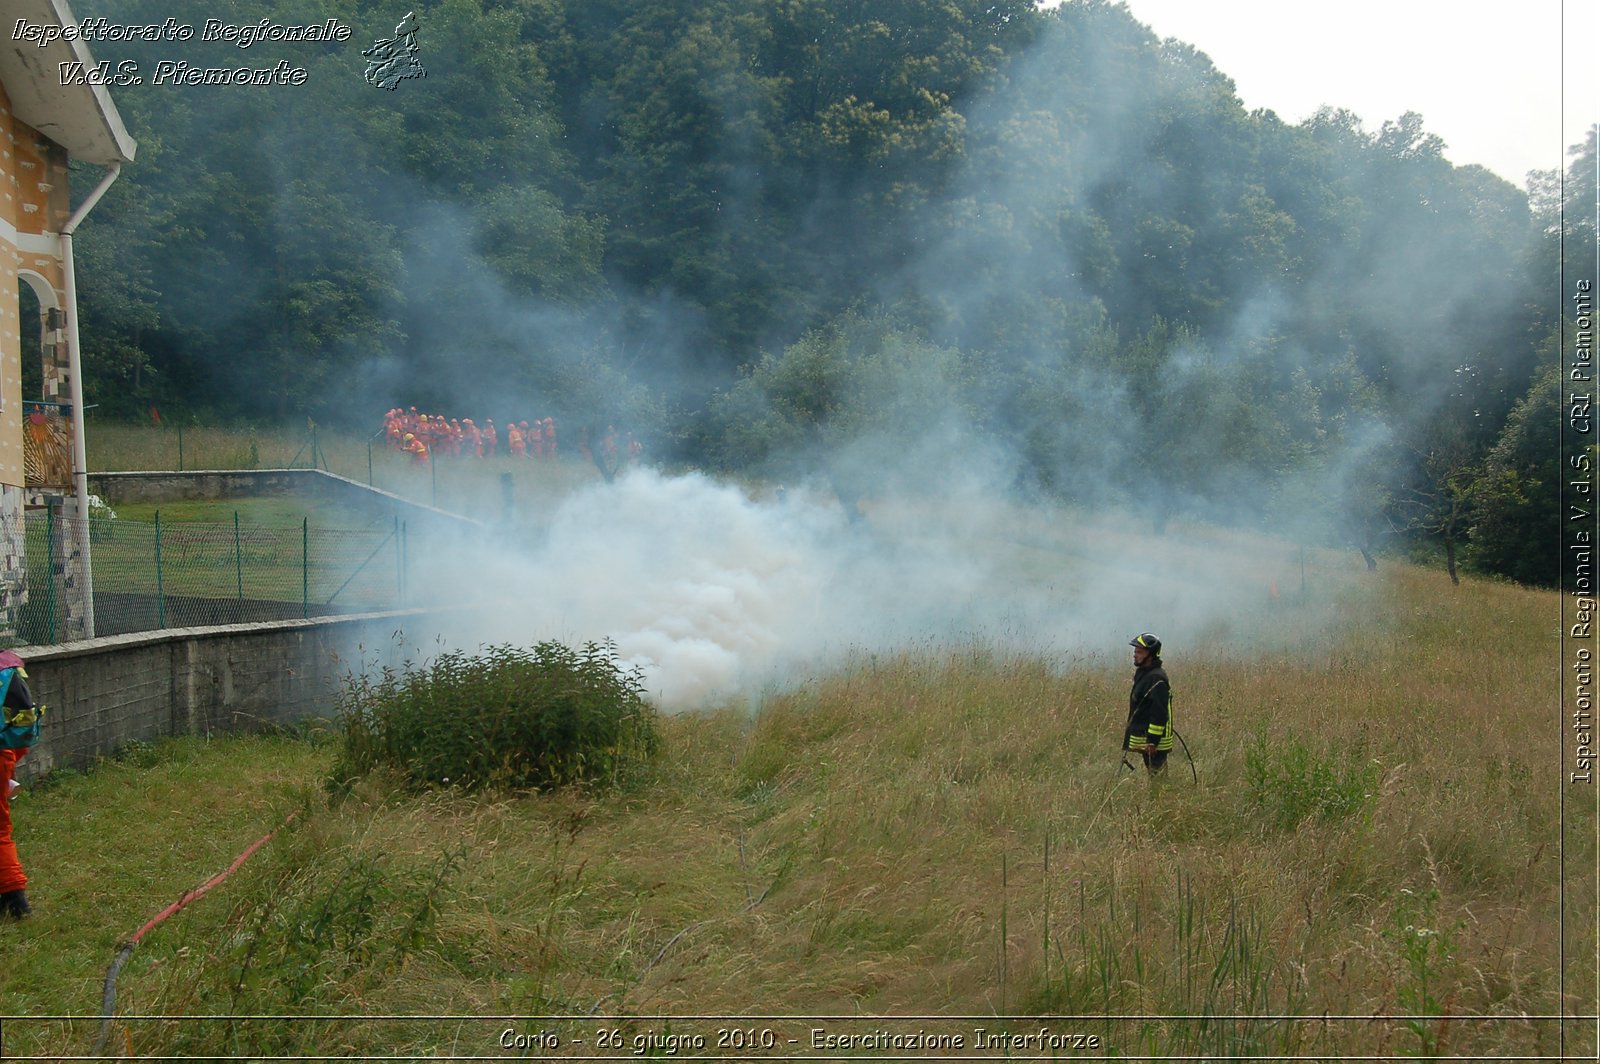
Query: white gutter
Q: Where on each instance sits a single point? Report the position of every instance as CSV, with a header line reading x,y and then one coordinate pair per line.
x,y
80,454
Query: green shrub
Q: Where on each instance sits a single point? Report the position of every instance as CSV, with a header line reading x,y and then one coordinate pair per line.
x,y
1290,783
510,717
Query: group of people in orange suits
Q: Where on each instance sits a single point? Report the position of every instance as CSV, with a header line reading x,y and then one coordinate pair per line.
x,y
423,435
613,453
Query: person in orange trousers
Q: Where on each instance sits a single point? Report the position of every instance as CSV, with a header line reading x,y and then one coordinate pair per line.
x,y
13,883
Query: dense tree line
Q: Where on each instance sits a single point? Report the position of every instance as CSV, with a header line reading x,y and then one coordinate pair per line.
x,y
826,237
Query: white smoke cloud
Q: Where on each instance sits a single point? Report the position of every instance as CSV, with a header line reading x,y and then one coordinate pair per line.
x,y
716,594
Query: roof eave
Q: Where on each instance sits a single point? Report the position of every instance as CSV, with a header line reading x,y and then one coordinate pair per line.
x,y
81,118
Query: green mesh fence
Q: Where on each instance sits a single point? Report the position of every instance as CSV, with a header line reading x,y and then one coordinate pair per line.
x,y
156,574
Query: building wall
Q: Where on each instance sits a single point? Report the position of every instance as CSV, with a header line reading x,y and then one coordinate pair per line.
x,y
34,205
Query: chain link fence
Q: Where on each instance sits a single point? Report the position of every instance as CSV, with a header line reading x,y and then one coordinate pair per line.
x,y
155,574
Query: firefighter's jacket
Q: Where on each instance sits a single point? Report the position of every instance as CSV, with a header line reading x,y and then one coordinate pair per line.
x,y
1149,710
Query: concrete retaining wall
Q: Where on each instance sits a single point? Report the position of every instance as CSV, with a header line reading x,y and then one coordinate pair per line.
x,y
104,693
172,486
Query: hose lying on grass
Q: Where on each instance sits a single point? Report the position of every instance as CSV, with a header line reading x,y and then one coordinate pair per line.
x,y
108,998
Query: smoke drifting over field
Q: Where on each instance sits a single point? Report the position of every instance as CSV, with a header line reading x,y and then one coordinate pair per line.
x,y
1028,293
717,595
1014,384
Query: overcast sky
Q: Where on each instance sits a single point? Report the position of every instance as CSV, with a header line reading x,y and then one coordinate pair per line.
x,y
1487,80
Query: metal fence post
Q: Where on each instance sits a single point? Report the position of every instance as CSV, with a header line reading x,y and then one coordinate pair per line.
x,y
399,564
50,566
305,567
238,555
180,448
161,591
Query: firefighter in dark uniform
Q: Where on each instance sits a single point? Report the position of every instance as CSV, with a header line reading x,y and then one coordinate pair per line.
x,y
1149,730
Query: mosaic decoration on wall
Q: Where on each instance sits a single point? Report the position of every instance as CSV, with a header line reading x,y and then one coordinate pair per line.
x,y
46,446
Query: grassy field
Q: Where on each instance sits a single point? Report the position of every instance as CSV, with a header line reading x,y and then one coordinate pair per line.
x,y
944,833
482,488
936,840
348,559
276,512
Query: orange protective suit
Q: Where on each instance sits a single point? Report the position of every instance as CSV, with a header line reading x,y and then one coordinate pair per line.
x,y
11,877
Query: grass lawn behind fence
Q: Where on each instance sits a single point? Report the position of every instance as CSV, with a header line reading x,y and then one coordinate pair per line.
x,y
285,562
486,489
308,555
273,512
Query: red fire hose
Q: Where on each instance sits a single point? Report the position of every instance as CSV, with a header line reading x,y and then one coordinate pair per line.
x,y
108,999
